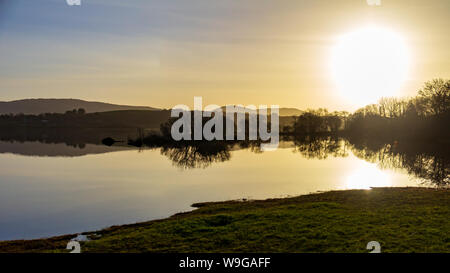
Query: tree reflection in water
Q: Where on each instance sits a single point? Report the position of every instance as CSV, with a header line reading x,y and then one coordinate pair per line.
x,y
197,155
428,162
321,147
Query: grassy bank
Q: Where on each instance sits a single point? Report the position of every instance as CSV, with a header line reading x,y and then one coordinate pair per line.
x,y
401,219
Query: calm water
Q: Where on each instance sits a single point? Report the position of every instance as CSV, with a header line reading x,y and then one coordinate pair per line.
x,y
50,189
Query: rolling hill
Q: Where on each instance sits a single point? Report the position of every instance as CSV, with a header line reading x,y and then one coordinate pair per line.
x,y
283,112
39,106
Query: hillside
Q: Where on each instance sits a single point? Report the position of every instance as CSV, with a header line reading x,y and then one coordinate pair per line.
x,y
99,120
283,111
39,106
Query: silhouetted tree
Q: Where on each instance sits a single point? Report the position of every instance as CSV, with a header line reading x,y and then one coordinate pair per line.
x,y
435,96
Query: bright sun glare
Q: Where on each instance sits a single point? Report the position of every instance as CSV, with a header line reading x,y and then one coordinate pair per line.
x,y
367,176
368,64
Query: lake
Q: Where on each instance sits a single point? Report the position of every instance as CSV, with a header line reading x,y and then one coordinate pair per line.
x,y
52,189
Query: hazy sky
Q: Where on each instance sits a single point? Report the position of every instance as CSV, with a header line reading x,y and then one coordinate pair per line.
x,y
162,53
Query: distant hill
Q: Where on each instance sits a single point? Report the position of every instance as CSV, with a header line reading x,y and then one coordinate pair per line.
x,y
283,112
39,106
290,112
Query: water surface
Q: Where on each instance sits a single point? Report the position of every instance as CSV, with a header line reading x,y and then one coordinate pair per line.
x,y
51,189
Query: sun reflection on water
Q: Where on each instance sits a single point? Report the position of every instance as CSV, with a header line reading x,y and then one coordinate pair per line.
x,y
366,176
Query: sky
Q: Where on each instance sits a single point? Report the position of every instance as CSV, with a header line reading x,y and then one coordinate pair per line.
x,y
163,53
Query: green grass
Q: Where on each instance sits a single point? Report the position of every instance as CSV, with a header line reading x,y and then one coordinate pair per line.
x,y
401,219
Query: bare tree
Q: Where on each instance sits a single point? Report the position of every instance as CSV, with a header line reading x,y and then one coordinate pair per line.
x,y
436,96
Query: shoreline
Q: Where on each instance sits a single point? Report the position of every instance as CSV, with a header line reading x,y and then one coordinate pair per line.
x,y
411,219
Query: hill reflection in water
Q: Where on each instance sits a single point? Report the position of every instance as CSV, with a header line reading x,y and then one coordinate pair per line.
x,y
430,162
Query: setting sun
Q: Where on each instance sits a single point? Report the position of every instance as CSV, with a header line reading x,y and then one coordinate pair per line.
x,y
368,64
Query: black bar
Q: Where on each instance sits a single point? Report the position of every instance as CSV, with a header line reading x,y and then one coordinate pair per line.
x,y
247,262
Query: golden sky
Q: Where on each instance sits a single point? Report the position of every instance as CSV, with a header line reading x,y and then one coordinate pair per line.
x,y
163,53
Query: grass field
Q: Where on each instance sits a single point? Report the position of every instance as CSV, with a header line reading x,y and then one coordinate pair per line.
x,y
400,219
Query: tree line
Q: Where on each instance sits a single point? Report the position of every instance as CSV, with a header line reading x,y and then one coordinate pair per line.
x,y
426,115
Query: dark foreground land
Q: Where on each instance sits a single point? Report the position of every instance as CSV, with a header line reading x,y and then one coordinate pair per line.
x,y
401,219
